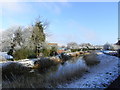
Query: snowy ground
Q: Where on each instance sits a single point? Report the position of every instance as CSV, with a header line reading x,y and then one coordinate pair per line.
x,y
24,62
4,56
99,76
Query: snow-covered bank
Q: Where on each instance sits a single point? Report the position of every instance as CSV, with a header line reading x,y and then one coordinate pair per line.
x,y
4,56
113,53
24,62
99,76
108,51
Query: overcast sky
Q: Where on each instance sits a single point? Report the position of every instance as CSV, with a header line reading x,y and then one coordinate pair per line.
x,y
81,22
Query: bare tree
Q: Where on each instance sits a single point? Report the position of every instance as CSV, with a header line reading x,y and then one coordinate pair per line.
x,y
7,38
72,45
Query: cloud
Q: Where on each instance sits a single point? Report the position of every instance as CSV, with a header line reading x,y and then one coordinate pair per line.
x,y
54,7
14,13
16,7
84,31
51,7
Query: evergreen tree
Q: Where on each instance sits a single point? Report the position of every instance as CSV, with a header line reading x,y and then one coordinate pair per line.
x,y
38,36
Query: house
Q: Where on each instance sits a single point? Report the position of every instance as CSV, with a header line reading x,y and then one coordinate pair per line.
x,y
53,44
118,43
116,46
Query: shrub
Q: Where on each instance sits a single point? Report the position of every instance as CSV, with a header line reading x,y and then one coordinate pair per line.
x,y
43,63
74,50
46,52
21,54
85,49
31,54
24,53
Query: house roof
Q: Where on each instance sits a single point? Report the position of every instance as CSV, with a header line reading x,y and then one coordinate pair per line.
x,y
118,43
52,44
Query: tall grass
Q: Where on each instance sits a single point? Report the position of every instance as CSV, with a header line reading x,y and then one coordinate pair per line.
x,y
12,68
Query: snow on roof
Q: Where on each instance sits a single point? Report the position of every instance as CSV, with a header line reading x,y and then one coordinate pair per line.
x,y
118,43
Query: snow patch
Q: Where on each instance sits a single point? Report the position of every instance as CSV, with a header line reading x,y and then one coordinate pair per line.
x,y
5,55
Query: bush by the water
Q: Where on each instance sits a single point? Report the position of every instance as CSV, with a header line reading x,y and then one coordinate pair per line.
x,y
74,50
24,53
46,52
31,54
91,59
21,54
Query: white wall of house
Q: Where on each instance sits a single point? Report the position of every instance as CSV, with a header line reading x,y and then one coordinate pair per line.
x,y
116,47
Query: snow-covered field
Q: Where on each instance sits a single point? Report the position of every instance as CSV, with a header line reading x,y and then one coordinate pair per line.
x,y
99,76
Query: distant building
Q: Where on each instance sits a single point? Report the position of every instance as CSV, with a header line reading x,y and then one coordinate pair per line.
x,y
98,47
61,49
53,44
117,45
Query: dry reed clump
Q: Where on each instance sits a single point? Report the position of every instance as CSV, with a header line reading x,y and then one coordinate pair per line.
x,y
12,69
55,59
91,59
32,80
73,54
2,59
81,52
77,53
43,63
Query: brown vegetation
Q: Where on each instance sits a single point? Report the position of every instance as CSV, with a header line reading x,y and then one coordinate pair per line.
x,y
12,69
91,59
43,63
